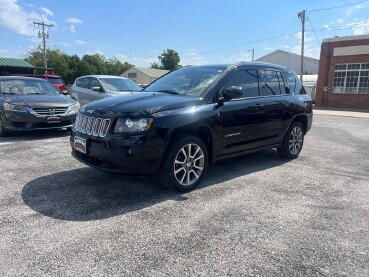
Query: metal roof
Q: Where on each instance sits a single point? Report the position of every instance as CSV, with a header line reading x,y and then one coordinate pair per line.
x,y
14,62
152,72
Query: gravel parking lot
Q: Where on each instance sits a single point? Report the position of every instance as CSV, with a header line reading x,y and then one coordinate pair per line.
x,y
254,215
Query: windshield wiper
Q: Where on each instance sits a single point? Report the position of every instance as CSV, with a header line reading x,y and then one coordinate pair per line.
x,y
11,93
168,91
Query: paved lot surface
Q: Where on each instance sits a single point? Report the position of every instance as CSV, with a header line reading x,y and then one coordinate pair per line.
x,y
254,215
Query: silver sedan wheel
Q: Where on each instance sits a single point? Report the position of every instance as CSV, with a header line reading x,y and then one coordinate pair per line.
x,y
189,164
295,140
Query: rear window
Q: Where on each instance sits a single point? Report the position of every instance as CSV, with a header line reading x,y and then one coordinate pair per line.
x,y
54,81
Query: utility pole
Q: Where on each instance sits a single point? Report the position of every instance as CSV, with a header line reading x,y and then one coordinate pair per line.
x,y
302,16
252,55
44,35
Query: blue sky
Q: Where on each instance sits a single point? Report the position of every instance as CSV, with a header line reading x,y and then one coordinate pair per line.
x,y
201,31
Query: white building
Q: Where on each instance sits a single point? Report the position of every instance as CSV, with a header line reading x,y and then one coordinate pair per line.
x,y
143,75
292,61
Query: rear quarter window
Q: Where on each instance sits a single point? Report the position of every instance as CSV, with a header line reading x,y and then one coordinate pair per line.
x,y
294,83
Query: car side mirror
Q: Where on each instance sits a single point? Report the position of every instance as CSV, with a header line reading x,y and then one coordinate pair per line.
x,y
288,90
97,89
232,93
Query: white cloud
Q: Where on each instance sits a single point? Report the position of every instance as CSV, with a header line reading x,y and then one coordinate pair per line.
x,y
47,11
193,58
72,29
80,42
97,51
350,11
16,18
74,20
137,61
241,57
66,44
360,27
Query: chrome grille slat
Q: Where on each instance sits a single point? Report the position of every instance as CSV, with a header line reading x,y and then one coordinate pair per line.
x,y
92,126
50,111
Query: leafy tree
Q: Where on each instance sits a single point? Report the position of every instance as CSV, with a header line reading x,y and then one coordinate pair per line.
x,y
169,60
155,66
116,67
56,59
72,67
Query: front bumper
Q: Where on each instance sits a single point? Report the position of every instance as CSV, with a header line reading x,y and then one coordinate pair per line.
x,y
133,155
20,121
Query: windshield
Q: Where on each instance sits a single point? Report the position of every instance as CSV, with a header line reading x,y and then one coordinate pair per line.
x,y
119,84
192,81
26,87
55,81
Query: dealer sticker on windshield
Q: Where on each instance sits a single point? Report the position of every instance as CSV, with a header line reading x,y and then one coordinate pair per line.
x,y
80,144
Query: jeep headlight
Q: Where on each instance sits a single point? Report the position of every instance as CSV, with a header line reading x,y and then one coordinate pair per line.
x,y
15,108
125,125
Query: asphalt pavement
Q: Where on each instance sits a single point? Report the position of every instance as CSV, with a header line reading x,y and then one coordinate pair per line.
x,y
256,215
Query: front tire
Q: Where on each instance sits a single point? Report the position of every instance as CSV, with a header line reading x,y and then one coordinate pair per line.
x,y
292,142
185,164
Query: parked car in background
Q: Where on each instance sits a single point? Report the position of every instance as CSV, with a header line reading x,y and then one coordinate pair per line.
x,y
55,80
28,103
90,88
194,116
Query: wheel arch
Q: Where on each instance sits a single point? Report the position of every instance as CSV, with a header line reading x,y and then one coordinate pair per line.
x,y
202,132
303,120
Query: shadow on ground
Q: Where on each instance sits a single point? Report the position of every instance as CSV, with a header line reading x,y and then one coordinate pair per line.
x,y
88,194
35,135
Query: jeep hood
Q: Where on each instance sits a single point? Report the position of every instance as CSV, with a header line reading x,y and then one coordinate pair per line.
x,y
139,104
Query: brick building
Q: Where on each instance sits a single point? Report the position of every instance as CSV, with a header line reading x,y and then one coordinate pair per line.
x,y
343,78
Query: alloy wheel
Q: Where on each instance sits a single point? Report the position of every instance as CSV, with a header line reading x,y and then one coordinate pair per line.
x,y
295,140
189,164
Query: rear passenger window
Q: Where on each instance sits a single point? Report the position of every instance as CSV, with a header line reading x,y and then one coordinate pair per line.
x,y
85,82
291,82
247,79
272,82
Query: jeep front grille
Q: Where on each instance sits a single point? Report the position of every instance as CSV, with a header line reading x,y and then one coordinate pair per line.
x,y
92,126
50,111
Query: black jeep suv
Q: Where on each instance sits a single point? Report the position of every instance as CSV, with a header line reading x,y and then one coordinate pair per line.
x,y
194,116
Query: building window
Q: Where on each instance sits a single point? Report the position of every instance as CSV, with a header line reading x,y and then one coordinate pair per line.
x,y
132,75
351,78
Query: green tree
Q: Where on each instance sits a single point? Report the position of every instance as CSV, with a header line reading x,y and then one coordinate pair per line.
x,y
116,67
56,59
168,60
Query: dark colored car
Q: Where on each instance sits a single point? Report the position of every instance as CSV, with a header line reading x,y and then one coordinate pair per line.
x,y
194,116
32,103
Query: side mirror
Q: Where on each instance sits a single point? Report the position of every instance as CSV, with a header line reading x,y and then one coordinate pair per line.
x,y
96,89
232,93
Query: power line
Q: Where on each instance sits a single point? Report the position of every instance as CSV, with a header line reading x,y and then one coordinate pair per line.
x,y
168,21
313,30
336,7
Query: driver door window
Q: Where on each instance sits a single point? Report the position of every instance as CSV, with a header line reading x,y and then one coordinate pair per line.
x,y
247,80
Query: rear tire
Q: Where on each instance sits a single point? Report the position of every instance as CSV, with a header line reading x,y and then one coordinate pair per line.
x,y
185,164
292,142
3,133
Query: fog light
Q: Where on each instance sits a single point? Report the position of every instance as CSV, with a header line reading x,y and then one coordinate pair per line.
x,y
132,151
